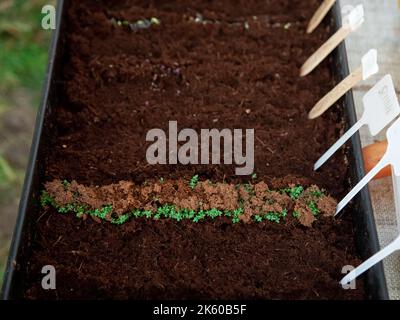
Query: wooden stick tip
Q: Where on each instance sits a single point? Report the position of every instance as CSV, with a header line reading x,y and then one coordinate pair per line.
x,y
303,72
310,29
312,115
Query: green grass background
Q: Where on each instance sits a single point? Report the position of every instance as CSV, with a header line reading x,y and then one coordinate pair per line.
x,y
23,59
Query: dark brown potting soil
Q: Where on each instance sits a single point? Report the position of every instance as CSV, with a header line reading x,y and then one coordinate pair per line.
x,y
208,64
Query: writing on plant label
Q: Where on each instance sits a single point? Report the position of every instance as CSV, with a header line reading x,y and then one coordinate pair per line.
x,y
49,18
196,148
381,107
383,97
49,280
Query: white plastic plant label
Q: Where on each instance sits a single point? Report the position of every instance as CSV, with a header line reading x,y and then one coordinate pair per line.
x,y
396,189
378,257
380,108
354,16
369,64
391,157
383,97
393,150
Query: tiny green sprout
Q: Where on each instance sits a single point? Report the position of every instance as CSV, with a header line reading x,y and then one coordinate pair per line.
x,y
313,207
258,218
47,200
155,21
295,192
157,216
199,216
147,214
162,180
188,214
107,209
66,184
101,213
228,213
135,26
247,188
121,219
236,214
254,176
136,213
194,181
66,209
214,213
80,211
318,193
296,214
273,217
238,211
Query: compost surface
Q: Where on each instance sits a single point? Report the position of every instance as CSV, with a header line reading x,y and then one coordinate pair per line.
x,y
206,64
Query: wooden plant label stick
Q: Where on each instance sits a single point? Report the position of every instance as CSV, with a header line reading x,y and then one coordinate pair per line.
x,y
340,90
369,66
320,14
330,45
351,23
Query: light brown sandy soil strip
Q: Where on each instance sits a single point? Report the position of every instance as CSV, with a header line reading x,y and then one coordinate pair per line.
x,y
255,198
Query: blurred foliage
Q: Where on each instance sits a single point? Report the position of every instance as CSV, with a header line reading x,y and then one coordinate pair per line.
x,y
6,172
23,58
23,44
